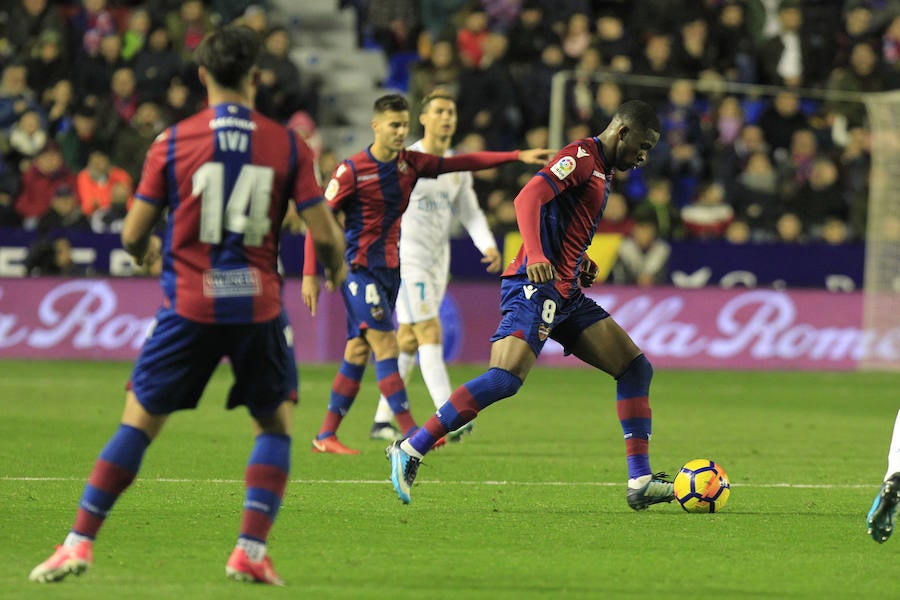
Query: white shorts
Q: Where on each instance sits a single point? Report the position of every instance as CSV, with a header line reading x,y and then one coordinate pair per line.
x,y
421,295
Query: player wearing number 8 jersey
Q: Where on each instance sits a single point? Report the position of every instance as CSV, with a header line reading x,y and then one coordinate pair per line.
x,y
557,212
226,176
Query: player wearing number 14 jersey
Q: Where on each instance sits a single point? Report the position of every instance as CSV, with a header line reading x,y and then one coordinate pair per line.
x,y
226,176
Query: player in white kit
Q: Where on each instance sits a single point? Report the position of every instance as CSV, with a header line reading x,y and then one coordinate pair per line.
x,y
425,260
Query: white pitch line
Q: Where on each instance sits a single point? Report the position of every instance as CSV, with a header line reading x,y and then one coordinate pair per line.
x,y
816,486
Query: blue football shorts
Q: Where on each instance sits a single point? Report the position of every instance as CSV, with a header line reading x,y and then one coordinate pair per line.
x,y
369,297
535,312
179,356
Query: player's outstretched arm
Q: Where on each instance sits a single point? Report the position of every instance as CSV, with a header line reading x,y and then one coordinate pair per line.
x,y
536,156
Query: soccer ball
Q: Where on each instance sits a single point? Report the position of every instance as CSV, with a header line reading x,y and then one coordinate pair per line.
x,y
702,486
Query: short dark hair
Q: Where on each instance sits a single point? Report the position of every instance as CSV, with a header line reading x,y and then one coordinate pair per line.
x,y
640,115
229,53
394,102
436,94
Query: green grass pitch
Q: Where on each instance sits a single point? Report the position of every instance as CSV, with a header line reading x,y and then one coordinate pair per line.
x,y
532,505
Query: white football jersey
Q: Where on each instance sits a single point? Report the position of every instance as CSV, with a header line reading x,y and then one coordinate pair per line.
x,y
425,229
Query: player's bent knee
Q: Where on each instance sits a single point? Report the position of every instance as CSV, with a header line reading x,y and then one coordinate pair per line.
x,y
505,384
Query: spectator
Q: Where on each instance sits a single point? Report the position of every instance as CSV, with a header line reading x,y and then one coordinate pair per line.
x,y
9,189
187,26
255,17
859,26
99,182
437,17
134,38
53,256
693,53
472,36
280,94
46,65
818,198
855,162
680,152
862,75
794,168
155,65
180,102
789,229
530,35
656,60
582,87
730,160
395,25
441,70
27,137
738,233
890,45
756,200
28,21
46,173
93,73
535,84
612,39
15,97
781,120
708,216
133,141
732,44
835,231
643,257
615,217
58,104
791,58
487,99
64,212
607,99
577,38
659,202
77,142
91,23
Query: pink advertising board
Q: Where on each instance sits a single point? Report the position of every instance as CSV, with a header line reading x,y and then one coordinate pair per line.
x,y
707,328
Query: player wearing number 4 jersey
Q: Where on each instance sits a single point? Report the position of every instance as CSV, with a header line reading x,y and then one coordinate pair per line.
x,y
425,260
557,212
226,176
371,190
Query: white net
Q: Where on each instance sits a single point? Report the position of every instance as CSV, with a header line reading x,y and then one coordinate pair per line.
x,y
881,303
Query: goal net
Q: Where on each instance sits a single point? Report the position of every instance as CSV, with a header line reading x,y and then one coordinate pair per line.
x,y
881,300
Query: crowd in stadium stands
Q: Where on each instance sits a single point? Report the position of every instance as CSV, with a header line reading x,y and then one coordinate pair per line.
x,y
86,86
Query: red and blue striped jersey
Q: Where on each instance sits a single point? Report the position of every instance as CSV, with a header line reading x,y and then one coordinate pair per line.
x,y
226,175
373,196
572,191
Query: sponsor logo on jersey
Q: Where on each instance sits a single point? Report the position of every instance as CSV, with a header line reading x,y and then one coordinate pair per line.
x,y
563,167
581,153
232,283
543,331
367,177
332,189
529,291
599,174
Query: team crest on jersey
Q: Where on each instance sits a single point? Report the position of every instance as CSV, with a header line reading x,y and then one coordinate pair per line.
x,y
563,167
332,189
543,332
401,166
377,313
